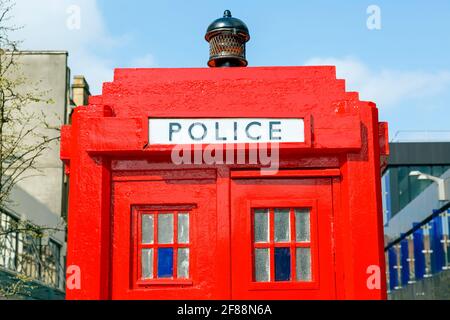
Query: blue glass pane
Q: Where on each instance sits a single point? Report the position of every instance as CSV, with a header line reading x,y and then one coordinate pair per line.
x,y
437,237
282,264
165,263
419,257
393,274
404,258
446,226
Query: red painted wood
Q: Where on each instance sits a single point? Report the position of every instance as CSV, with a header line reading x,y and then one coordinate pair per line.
x,y
205,280
246,195
245,174
112,169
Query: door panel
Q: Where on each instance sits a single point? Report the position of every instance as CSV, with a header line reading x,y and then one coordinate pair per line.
x,y
167,240
165,235
282,239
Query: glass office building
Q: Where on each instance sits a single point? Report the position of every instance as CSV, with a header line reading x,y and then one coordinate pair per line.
x,y
417,241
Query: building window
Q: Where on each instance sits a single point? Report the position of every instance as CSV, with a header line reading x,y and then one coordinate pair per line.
x,y
394,267
29,256
403,188
50,262
446,238
8,242
386,197
282,245
164,245
21,251
427,250
388,277
411,260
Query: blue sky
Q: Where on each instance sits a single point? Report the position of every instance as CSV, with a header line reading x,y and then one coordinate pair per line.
x,y
404,67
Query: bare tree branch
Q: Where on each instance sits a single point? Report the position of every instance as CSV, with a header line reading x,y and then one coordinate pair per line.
x,y
25,135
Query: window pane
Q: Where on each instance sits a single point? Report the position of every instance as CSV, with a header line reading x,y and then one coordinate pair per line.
x,y
403,186
282,225
183,263
262,265
8,247
427,249
302,225
147,229
438,171
28,258
147,263
303,268
165,263
183,228
261,225
50,263
412,271
165,228
282,264
416,185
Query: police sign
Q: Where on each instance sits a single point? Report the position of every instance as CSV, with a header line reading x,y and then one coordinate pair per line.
x,y
225,131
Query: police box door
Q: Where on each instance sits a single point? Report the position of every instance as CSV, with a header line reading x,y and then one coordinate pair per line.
x,y
165,236
281,237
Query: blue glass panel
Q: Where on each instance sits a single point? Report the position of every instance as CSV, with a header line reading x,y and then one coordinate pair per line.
x,y
165,263
419,256
393,274
404,255
282,264
446,227
388,196
386,191
436,235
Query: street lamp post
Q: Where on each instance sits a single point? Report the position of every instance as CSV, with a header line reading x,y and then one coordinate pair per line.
x,y
443,184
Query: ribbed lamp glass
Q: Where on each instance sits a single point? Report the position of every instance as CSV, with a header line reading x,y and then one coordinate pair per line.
x,y
227,39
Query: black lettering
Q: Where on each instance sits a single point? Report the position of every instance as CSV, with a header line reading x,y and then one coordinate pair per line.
x,y
172,131
273,130
205,131
218,138
247,130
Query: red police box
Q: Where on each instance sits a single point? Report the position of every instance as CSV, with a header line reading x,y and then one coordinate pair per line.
x,y
171,195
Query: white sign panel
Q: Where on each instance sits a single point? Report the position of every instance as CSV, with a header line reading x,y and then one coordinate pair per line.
x,y
225,131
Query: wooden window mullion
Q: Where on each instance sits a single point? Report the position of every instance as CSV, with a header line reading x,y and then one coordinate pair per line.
x,y
156,243
138,235
175,246
292,245
272,244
